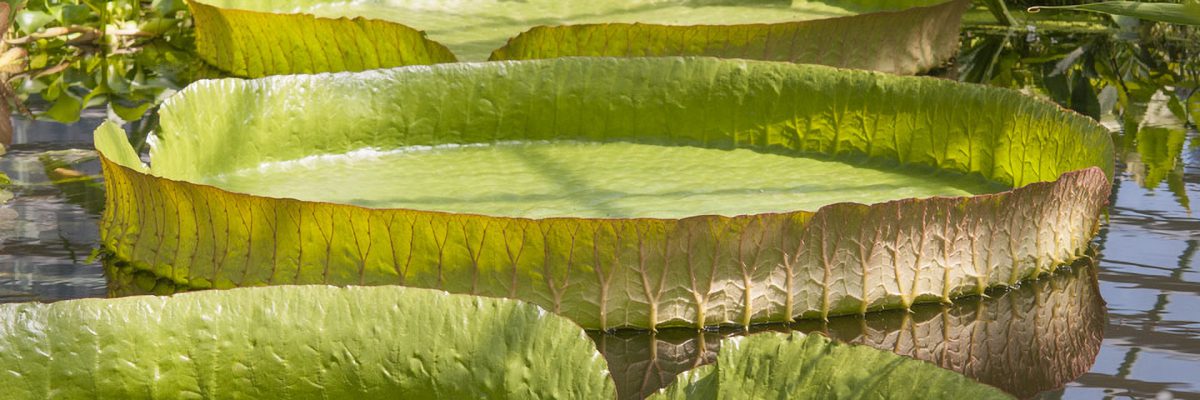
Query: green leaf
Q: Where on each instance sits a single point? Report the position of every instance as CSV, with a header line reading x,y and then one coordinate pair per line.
x,y
306,342
130,113
1159,150
66,109
620,272
75,14
1176,13
249,38
1083,96
592,180
157,26
1193,106
999,10
110,137
695,384
168,8
799,366
898,41
30,21
249,43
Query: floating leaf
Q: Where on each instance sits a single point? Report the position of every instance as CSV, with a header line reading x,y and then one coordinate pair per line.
x,y
892,41
844,258
250,43
252,38
799,366
296,342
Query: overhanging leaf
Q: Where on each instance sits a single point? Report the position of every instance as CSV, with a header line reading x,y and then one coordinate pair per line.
x,y
296,343
253,38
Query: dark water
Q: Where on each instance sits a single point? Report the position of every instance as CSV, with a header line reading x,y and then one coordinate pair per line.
x,y
1030,341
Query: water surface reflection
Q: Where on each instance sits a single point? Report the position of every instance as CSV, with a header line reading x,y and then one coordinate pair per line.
x,y
1034,338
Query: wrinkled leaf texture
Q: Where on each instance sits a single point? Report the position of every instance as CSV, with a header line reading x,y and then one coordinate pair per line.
x,y
799,366
1035,338
296,342
845,258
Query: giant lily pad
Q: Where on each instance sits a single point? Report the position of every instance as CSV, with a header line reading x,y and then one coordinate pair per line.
x,y
628,271
799,366
264,37
296,343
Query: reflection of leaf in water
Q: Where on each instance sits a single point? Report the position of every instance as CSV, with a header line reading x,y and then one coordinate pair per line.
x,y
979,57
1025,341
1186,13
124,280
5,195
800,366
1152,150
1193,106
80,189
1158,159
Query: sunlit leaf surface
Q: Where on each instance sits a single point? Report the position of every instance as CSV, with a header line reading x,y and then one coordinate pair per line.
x,y
705,270
264,37
308,342
813,367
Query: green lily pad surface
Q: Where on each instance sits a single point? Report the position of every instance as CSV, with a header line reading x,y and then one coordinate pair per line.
x,y
672,119
473,29
579,179
799,366
264,37
309,342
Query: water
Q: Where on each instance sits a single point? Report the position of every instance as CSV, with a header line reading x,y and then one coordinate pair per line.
x,y
46,233
1148,268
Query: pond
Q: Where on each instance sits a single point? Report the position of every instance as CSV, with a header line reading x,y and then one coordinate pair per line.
x,y
1147,266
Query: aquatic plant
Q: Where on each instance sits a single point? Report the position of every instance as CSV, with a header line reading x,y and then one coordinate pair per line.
x,y
631,271
296,342
798,366
340,343
263,37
